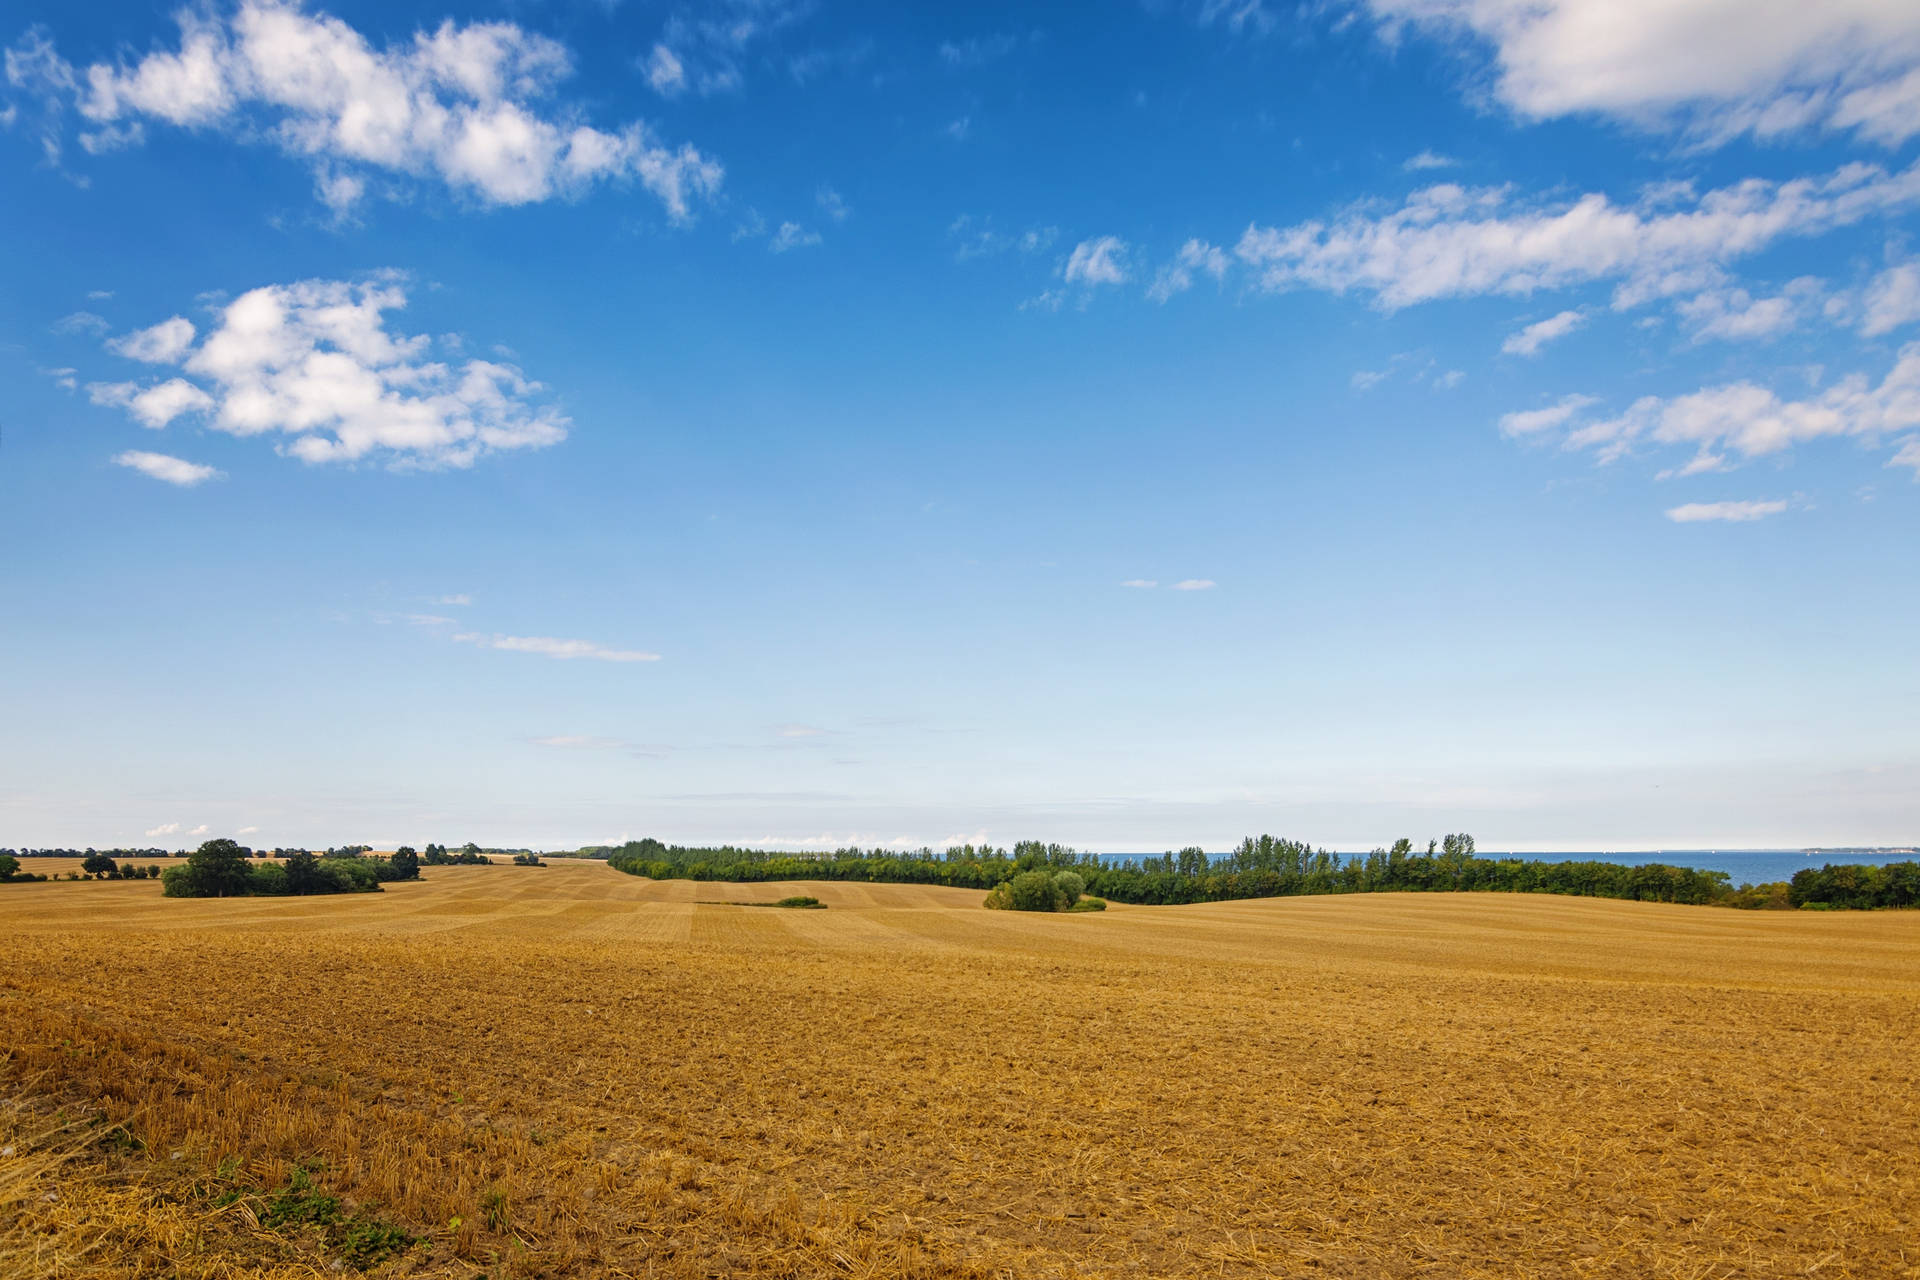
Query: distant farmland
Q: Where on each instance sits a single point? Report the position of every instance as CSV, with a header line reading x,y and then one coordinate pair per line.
x,y
572,1072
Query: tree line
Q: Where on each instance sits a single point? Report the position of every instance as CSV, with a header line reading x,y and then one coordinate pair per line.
x,y
1269,867
222,869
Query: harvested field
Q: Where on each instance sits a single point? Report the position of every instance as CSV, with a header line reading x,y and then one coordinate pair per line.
x,y
570,1072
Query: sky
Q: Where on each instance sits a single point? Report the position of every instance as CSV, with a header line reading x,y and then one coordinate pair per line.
x,y
809,423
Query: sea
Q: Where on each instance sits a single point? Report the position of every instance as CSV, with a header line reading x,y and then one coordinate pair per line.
x,y
1743,866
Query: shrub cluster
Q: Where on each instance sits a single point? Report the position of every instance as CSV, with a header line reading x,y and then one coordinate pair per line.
x,y
527,860
1042,891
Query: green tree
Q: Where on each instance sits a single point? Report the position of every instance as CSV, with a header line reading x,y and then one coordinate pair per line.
x,y
406,863
303,873
99,864
218,869
9,866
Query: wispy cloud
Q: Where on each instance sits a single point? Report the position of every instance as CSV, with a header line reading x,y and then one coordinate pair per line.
x,y
1428,160
1733,512
1527,422
1140,584
1528,341
792,235
1195,584
831,203
550,647
1177,276
160,466
460,598
1099,261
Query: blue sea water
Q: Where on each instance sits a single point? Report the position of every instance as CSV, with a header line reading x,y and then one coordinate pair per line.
x,y
1743,866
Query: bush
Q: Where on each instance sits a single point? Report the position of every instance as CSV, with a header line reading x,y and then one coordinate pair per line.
x,y
1070,886
268,879
1089,904
802,903
1028,891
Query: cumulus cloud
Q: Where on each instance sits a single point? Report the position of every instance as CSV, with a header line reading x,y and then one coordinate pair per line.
x,y
1195,584
316,362
468,105
1893,299
1428,160
1097,262
164,829
1743,418
1177,276
665,72
792,235
160,466
1448,241
153,406
1528,341
164,343
549,647
1735,512
1717,68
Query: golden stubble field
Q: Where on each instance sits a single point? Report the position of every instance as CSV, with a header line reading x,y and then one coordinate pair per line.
x,y
569,1072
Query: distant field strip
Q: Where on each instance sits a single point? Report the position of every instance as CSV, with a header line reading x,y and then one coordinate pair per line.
x,y
641,1083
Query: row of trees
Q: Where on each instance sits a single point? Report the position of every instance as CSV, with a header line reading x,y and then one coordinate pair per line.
x,y
1264,867
1890,884
221,869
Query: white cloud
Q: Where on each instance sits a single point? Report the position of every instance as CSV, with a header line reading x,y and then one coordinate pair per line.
x,y
1368,379
1734,314
247,831
1715,67
200,830
1177,276
1736,512
1908,455
1529,340
162,467
792,235
66,378
548,646
81,322
153,406
1097,262
1893,299
1745,419
1450,379
977,238
665,72
959,129
316,361
1195,584
164,829
1448,241
831,203
1428,160
705,45
1532,421
164,343
468,105
429,620
1046,300
460,598
1140,584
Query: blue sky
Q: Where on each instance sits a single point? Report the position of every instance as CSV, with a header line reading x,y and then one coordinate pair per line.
x,y
809,423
